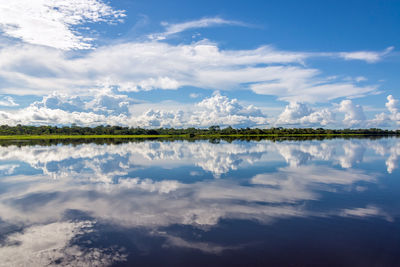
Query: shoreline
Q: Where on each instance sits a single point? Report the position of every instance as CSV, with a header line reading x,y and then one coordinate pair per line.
x,y
186,136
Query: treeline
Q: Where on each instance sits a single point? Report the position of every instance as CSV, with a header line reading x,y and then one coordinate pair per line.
x,y
213,130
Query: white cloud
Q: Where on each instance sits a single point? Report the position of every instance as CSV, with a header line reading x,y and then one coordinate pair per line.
x,y
220,110
44,116
300,114
110,104
159,118
171,29
360,79
114,109
304,85
105,103
175,241
369,211
26,69
215,110
354,114
148,65
368,56
8,101
59,101
393,107
53,22
56,109
388,119
194,95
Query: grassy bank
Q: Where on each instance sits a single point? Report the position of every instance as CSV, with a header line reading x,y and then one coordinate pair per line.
x,y
29,137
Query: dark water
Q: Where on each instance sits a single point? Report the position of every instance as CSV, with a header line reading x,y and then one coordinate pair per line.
x,y
179,203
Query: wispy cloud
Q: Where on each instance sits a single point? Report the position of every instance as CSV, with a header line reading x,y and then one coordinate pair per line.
x,y
368,56
143,66
368,211
8,101
171,29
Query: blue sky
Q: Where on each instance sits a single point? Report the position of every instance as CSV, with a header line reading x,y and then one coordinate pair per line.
x,y
330,64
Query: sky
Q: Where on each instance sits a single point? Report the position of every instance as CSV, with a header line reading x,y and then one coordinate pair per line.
x,y
147,63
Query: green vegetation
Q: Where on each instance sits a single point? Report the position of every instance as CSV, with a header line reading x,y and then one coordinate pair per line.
x,y
76,132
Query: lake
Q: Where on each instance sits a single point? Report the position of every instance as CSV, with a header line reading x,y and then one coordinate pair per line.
x,y
282,202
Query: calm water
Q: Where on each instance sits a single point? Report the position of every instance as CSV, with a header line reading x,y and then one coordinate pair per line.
x,y
178,203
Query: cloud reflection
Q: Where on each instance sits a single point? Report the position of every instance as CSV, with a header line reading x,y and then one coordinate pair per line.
x,y
109,160
50,244
100,181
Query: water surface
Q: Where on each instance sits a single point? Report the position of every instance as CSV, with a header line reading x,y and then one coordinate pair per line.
x,y
202,203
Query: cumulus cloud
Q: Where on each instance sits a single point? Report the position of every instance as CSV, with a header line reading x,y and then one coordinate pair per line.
x,y
160,118
300,114
62,102
393,107
33,115
110,104
115,109
220,110
390,119
106,103
215,110
353,114
53,23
